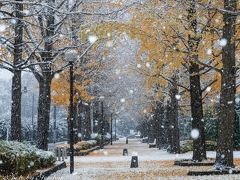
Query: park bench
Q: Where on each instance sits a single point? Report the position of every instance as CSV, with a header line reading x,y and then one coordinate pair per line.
x,y
154,144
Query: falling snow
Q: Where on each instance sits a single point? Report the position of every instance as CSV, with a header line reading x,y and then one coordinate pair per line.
x,y
114,75
195,133
92,39
178,97
2,28
223,42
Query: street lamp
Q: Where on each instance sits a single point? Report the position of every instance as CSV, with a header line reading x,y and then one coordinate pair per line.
x,y
111,128
55,124
71,57
115,129
102,122
116,126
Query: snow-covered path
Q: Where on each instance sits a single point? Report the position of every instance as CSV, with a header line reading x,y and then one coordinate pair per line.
x,y
110,164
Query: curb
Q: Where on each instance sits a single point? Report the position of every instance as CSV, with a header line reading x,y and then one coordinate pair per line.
x,y
45,173
87,152
188,162
208,173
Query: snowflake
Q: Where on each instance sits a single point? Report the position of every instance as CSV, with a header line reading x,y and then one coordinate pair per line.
x,y
209,52
208,89
131,91
105,153
122,100
195,133
178,97
118,71
57,76
31,163
2,28
223,42
109,44
229,102
237,100
92,39
13,21
148,65
79,135
26,12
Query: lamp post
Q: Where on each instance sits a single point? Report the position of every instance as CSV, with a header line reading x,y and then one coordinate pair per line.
x,y
32,117
55,124
115,129
111,128
71,56
102,126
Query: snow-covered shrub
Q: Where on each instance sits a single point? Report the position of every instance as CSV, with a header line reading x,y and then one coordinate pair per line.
x,y
19,158
92,142
106,138
83,145
94,135
186,146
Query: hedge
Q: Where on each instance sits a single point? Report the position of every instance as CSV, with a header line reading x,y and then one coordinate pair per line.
x,y
186,146
19,158
85,145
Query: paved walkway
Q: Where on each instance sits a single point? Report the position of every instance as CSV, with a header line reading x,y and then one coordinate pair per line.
x,y
109,164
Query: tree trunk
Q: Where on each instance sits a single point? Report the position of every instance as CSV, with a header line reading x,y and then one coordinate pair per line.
x,y
44,105
224,157
86,124
16,107
157,117
80,119
162,136
175,141
168,127
16,80
151,131
45,81
199,149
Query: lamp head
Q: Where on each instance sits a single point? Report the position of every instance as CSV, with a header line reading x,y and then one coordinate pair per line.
x,y
71,55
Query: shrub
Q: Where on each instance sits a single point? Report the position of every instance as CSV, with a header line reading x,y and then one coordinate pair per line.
x,y
106,138
19,158
187,146
92,142
82,145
